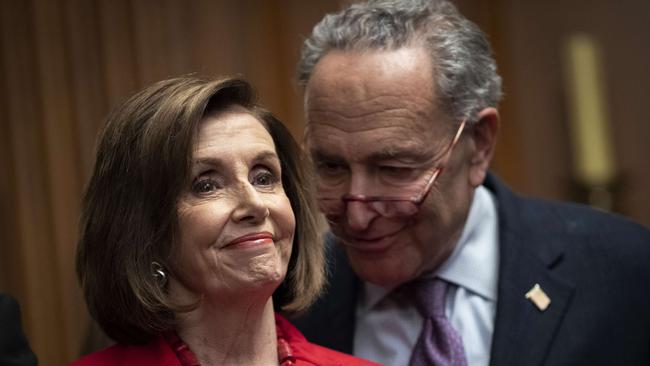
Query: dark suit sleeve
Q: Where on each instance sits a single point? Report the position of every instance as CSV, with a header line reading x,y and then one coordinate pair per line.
x,y
14,349
330,322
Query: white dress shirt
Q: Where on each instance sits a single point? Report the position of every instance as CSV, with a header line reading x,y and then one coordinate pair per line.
x,y
387,327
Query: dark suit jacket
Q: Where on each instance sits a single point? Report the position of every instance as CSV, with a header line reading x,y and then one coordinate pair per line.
x,y
14,349
595,267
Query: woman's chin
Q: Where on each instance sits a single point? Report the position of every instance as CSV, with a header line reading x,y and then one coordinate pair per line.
x,y
258,285
264,280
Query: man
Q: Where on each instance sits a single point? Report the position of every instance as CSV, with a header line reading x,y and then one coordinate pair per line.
x,y
14,349
401,106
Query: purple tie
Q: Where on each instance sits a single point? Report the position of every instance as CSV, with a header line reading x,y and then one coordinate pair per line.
x,y
438,344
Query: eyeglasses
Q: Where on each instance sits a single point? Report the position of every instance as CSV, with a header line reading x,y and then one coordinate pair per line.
x,y
388,206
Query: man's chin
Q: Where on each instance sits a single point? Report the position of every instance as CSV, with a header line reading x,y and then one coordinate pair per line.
x,y
384,272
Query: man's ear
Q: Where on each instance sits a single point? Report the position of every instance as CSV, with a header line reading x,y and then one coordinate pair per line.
x,y
484,138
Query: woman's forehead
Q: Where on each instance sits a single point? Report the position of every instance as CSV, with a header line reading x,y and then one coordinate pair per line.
x,y
236,128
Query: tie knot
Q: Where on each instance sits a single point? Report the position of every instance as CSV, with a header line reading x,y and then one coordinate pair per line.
x,y
428,296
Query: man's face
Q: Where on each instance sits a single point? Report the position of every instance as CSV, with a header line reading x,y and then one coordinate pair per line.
x,y
372,117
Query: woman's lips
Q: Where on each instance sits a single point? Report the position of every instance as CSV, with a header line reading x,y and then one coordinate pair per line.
x,y
251,240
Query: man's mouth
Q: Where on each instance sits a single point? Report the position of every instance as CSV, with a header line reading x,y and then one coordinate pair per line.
x,y
369,244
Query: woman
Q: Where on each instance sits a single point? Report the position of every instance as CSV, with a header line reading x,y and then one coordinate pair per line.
x,y
197,225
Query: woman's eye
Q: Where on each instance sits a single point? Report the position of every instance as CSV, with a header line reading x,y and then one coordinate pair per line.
x,y
264,178
204,186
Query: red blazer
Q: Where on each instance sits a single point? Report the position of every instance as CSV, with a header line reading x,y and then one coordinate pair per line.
x,y
293,349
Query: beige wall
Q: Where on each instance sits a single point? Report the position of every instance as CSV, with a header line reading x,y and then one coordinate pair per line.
x,y
64,63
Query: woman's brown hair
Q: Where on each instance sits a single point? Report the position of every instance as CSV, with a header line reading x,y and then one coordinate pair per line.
x,y
129,214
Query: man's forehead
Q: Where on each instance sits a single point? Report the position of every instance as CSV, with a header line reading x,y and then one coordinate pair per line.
x,y
383,64
397,122
386,120
373,147
379,85
374,105
359,75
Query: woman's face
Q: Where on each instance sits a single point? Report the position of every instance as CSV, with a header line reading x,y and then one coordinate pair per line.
x,y
236,222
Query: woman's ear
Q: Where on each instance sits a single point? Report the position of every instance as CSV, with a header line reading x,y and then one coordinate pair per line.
x,y
484,137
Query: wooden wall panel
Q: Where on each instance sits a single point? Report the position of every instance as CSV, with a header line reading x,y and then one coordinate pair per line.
x,y
7,202
34,251
259,37
119,47
63,65
177,38
295,20
213,36
533,33
61,165
508,161
153,54
87,84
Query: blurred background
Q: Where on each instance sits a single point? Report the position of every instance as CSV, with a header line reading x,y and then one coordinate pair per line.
x,y
64,63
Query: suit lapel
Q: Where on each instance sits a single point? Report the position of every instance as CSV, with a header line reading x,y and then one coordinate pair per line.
x,y
523,334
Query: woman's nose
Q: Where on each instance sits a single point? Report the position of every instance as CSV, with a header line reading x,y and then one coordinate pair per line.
x,y
250,205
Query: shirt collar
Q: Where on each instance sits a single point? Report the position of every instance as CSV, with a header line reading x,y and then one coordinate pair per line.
x,y
474,263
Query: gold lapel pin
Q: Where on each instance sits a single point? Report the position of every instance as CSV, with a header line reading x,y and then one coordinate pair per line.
x,y
538,297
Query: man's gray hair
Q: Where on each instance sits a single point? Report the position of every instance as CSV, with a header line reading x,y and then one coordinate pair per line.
x,y
463,67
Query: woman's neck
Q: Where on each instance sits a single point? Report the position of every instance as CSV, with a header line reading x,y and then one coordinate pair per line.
x,y
241,333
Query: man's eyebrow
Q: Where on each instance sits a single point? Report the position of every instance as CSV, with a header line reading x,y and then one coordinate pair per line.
x,y
318,155
406,155
408,152
399,154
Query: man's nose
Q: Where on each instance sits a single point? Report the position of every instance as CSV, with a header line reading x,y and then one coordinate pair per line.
x,y
250,205
359,215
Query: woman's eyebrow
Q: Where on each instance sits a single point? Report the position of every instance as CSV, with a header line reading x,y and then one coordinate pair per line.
x,y
267,155
209,161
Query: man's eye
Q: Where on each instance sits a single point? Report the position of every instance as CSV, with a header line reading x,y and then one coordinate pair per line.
x,y
395,170
330,168
398,173
204,186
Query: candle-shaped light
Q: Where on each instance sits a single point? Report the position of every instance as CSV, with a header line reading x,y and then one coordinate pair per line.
x,y
588,112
